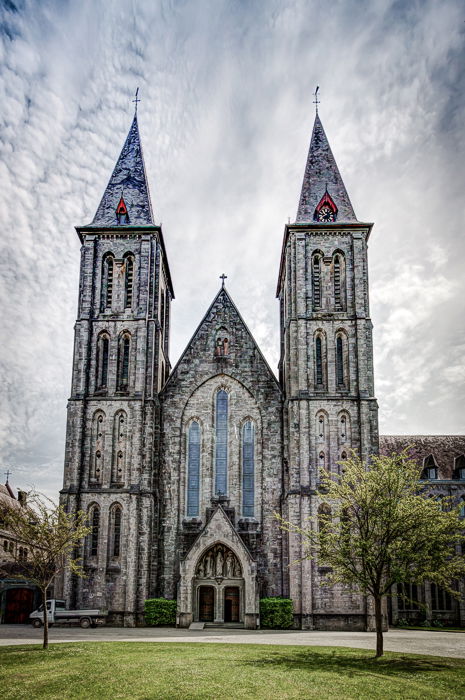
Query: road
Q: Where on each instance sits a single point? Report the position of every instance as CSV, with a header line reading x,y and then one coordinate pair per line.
x,y
412,641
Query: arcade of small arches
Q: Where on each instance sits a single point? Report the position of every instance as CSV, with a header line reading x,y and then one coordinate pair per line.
x,y
97,466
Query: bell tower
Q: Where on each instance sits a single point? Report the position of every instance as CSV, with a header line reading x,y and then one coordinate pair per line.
x,y
120,364
326,365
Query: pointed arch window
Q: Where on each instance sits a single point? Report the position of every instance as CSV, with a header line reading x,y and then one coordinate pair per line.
x,y
124,347
221,452
106,296
340,370
193,470
324,517
459,471
119,448
98,447
122,216
248,469
337,271
316,281
128,280
319,362
430,469
115,531
103,350
94,521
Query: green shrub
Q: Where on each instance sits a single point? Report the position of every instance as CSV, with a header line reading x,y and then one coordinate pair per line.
x,y
159,611
276,613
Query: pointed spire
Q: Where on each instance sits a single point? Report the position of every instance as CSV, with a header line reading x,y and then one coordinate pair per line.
x,y
322,178
129,174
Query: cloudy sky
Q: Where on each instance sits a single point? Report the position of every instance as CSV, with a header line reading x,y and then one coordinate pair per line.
x,y
225,118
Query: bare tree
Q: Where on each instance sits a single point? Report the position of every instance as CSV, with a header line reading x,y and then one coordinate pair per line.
x,y
51,536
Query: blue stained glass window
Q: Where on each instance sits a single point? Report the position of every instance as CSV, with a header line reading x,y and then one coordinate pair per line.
x,y
248,469
221,457
193,470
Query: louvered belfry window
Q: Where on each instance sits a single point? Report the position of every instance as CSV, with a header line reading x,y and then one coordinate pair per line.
x,y
337,282
248,469
193,470
316,282
109,280
319,361
221,456
339,361
129,282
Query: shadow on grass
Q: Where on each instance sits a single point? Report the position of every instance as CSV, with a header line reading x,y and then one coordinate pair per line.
x,y
336,662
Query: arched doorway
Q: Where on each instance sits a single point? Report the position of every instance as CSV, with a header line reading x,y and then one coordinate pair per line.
x,y
218,587
206,603
19,603
231,604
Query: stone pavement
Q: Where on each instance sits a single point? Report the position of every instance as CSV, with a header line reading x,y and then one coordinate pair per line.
x,y
412,641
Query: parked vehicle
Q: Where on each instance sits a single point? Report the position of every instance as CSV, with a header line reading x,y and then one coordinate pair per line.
x,y
57,612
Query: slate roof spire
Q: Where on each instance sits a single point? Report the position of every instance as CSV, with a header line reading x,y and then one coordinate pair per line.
x,y
322,176
129,176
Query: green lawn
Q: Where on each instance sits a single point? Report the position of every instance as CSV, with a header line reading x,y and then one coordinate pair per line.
x,y
192,671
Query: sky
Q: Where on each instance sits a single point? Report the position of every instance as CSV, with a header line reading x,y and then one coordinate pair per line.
x,y
225,118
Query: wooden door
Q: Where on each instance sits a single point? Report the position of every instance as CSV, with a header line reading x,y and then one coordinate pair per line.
x,y
206,604
231,604
19,605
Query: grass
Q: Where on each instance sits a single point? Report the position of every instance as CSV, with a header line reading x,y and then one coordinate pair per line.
x,y
142,671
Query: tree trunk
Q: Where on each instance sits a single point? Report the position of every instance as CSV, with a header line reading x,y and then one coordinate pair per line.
x,y
379,626
44,603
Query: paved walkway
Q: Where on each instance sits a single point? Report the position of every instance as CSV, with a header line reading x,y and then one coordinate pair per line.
x,y
415,642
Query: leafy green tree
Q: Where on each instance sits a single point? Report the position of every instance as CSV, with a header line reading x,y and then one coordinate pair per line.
x,y
378,528
50,535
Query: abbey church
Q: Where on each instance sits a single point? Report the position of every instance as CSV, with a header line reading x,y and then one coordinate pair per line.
x,y
182,469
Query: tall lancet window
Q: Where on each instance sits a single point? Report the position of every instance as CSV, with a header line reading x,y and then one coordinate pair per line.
x,y
106,294
124,347
319,362
221,453
193,470
316,282
339,361
103,348
248,469
94,521
128,280
337,282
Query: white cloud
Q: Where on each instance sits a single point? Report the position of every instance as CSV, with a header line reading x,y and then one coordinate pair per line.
x,y
226,117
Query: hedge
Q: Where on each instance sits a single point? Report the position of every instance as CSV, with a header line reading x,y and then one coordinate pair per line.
x,y
276,613
159,611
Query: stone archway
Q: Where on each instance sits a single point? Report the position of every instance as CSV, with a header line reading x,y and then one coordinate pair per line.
x,y
218,581
218,558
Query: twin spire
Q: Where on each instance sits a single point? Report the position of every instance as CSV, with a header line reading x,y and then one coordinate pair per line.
x,y
323,190
126,200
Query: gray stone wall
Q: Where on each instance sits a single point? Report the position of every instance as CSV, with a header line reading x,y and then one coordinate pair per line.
x,y
253,395
324,421
112,441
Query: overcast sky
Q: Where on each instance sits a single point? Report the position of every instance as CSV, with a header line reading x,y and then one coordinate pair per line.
x,y
225,120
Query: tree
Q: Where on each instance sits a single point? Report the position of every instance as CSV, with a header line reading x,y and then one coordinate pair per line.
x,y
377,528
50,535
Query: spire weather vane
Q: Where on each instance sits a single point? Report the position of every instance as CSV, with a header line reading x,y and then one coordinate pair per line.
x,y
316,101
223,277
136,100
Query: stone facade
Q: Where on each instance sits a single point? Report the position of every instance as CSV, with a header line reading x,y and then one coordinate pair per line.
x,y
182,471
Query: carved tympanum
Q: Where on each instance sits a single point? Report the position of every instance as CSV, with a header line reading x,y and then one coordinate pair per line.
x,y
219,561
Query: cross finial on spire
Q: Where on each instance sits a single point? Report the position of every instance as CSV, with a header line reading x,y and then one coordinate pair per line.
x,y
223,277
136,100
316,101
7,474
